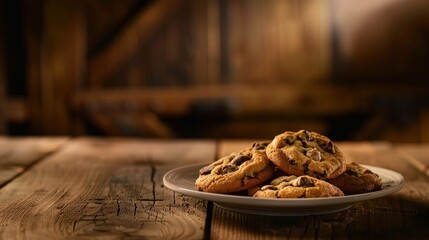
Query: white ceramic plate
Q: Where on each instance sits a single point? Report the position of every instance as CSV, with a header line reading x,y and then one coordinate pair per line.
x,y
182,180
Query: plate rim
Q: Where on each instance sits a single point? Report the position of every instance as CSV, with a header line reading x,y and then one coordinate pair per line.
x,y
276,203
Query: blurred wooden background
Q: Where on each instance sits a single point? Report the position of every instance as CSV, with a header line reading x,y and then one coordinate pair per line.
x,y
354,70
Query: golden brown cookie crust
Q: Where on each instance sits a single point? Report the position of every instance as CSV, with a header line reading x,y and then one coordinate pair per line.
x,y
297,187
235,172
306,153
357,179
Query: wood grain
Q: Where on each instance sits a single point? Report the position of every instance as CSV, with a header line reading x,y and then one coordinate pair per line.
x,y
111,188
105,189
393,217
18,154
417,155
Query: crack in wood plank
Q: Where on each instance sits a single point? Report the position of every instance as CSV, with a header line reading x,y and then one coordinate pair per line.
x,y
118,207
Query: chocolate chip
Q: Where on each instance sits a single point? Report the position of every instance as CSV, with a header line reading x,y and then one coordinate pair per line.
x,y
304,182
228,169
304,143
290,140
239,159
352,173
305,166
327,146
242,182
206,170
308,136
320,175
314,154
259,146
292,162
305,135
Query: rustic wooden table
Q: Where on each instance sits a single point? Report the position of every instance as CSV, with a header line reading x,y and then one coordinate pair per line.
x,y
91,188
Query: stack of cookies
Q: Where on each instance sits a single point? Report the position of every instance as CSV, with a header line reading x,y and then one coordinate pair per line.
x,y
299,164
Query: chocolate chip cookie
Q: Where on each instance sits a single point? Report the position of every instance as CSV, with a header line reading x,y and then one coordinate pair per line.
x,y
357,179
236,172
306,153
297,187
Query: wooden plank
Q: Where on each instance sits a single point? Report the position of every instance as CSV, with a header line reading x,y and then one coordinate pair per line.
x,y
105,17
33,41
105,188
107,62
277,41
3,77
213,41
254,128
18,154
144,124
397,216
416,154
242,99
63,64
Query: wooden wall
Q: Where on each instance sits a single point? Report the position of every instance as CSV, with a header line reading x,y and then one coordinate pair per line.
x,y
218,68
210,42
224,50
